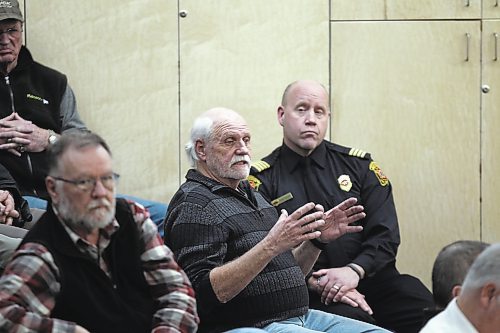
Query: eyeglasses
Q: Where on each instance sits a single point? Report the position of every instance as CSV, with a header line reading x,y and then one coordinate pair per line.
x,y
11,32
88,184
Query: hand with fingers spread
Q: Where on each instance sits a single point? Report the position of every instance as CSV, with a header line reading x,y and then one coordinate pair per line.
x,y
7,208
293,229
339,218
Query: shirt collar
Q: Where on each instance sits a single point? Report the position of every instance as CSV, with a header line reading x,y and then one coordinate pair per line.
x,y
244,188
291,159
212,184
459,317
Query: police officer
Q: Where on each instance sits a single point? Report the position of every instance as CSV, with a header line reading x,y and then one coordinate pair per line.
x,y
355,275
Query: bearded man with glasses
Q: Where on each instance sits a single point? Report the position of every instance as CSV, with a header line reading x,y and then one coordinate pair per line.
x,y
93,263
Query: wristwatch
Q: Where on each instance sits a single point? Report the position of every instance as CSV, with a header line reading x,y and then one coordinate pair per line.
x,y
52,137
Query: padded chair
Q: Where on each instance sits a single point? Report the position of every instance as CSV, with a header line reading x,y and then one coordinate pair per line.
x,y
36,213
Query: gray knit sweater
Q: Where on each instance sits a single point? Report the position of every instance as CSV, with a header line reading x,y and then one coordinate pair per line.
x,y
209,224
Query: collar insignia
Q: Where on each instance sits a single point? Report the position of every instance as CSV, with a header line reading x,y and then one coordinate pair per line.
x,y
285,197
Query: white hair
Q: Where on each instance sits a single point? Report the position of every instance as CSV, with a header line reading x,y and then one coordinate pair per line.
x,y
201,130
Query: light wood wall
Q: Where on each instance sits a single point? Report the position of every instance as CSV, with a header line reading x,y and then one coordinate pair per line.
x,y
400,90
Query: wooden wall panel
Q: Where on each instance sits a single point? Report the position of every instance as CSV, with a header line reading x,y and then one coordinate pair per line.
x,y
406,9
121,60
241,54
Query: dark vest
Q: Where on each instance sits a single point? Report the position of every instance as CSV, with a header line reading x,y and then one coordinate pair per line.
x,y
88,297
38,92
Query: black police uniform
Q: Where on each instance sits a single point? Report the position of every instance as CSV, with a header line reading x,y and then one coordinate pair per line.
x,y
335,174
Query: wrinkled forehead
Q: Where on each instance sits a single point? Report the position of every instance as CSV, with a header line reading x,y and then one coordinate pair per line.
x,y
82,159
230,127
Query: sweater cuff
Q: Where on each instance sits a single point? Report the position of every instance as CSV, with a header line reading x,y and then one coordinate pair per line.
x,y
205,294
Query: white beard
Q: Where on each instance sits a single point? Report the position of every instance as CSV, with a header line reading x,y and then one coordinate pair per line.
x,y
96,219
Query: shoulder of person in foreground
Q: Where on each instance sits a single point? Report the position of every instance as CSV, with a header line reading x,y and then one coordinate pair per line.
x,y
28,289
171,288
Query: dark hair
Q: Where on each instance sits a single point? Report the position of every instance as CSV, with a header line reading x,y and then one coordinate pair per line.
x,y
451,266
75,139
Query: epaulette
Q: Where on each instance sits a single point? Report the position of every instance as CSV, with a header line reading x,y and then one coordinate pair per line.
x,y
349,151
260,165
357,152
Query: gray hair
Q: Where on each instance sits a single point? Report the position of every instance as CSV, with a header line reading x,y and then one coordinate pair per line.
x,y
485,269
201,130
76,139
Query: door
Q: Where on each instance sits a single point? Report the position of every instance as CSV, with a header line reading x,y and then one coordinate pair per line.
x,y
407,92
490,149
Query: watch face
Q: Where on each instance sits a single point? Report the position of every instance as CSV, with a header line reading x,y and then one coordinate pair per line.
x,y
52,139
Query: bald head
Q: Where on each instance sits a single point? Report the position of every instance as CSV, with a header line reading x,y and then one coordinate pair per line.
x,y
311,84
220,114
304,115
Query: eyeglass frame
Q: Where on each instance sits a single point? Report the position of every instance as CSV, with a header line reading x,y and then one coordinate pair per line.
x,y
88,184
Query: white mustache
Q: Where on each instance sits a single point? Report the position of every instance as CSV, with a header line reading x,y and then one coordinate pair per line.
x,y
98,203
240,158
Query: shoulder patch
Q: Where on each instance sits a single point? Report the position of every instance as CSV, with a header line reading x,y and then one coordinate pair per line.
x,y
357,152
261,165
254,182
382,178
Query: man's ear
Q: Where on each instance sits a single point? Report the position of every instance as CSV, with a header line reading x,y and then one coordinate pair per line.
x,y
488,294
200,150
50,184
455,291
280,114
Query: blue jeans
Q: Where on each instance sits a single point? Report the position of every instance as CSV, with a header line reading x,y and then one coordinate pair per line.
x,y
318,321
157,210
246,330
